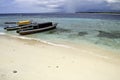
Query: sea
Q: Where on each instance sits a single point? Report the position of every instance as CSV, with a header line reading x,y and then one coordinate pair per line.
x,y
99,29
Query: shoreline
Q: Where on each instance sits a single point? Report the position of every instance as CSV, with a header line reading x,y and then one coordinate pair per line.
x,y
23,59
92,48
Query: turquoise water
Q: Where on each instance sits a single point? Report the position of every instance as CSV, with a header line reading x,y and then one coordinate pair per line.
x,y
98,29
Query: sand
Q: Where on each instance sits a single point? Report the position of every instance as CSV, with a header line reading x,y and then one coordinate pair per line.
x,y
22,59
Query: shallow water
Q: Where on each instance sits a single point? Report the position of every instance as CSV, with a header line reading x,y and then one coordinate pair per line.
x,y
99,29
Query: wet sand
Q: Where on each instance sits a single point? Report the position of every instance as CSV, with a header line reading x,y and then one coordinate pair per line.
x,y
22,59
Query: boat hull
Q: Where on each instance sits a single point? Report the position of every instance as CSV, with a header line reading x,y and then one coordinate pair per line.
x,y
11,28
25,32
18,27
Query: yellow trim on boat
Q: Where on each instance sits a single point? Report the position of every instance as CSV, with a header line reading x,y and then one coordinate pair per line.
x,y
24,22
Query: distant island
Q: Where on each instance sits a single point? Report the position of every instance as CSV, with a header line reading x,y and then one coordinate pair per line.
x,y
101,12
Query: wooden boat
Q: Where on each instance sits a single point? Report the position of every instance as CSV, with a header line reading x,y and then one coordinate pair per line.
x,y
15,27
37,28
10,22
12,28
19,27
20,24
34,26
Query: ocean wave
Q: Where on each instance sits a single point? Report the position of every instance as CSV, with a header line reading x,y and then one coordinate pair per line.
x,y
2,33
59,45
35,39
43,41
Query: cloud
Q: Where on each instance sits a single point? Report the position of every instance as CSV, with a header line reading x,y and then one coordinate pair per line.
x,y
84,5
112,1
114,4
40,5
58,5
92,5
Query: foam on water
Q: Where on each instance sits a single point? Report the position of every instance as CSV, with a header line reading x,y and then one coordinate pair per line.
x,y
43,41
2,33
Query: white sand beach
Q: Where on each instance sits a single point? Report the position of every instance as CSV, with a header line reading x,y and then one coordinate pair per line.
x,y
22,59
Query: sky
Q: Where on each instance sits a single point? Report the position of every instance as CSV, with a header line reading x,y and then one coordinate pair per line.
x,y
49,6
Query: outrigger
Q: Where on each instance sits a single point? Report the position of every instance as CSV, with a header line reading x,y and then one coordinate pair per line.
x,y
20,24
